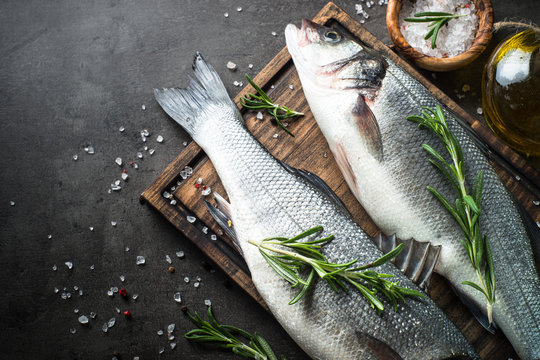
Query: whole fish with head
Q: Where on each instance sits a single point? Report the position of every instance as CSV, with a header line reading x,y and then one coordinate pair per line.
x,y
360,100
269,198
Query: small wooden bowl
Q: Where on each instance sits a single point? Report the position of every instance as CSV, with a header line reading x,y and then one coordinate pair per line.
x,y
484,11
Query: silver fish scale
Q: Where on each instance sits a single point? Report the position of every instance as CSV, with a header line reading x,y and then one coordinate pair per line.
x,y
326,324
517,308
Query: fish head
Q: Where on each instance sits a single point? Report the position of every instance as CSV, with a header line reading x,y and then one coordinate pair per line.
x,y
328,58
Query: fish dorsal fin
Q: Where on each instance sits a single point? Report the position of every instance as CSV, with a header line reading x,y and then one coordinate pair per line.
x,y
478,311
417,259
368,127
319,183
224,221
376,348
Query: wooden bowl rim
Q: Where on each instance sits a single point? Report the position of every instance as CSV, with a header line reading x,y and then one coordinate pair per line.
x,y
484,11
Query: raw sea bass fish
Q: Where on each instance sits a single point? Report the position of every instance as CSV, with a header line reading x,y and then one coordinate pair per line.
x,y
360,100
268,199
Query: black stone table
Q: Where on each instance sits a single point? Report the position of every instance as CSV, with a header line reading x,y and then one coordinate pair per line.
x,y
72,73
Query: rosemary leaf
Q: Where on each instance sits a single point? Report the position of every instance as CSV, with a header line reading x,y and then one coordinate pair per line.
x,y
224,337
285,255
263,102
467,209
436,20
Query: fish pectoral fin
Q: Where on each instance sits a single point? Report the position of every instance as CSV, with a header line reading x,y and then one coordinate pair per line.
x,y
417,259
376,348
224,222
368,127
342,160
319,183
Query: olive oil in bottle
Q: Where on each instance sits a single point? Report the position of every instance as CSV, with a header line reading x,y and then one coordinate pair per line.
x,y
511,92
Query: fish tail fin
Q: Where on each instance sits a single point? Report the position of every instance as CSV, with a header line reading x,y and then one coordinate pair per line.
x,y
194,104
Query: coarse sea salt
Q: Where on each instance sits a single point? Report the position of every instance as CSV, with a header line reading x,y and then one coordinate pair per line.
x,y
453,39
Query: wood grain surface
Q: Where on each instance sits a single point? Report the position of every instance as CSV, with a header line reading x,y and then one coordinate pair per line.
x,y
309,150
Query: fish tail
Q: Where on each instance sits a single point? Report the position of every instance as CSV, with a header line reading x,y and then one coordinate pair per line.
x,y
194,104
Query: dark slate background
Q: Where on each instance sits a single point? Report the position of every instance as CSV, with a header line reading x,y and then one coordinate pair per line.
x,y
71,74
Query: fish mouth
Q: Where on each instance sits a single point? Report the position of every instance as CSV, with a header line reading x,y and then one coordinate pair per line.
x,y
305,35
298,38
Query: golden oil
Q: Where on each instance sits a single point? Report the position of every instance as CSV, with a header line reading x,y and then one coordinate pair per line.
x,y
511,92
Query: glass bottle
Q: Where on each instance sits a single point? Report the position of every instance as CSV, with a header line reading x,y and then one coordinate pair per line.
x,y
511,92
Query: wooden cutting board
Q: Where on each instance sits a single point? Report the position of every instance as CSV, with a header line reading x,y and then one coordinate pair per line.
x,y
177,198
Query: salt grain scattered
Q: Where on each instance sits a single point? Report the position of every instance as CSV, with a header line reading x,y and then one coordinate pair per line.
x,y
113,223
161,350
226,15
291,87
105,328
160,332
184,143
110,293
536,202
140,155
151,151
93,315
206,191
135,297
177,297
274,33
143,107
213,237
122,278
76,311
54,268
231,66
191,219
90,150
91,228
140,260
75,157
170,328
480,111
186,279
159,139
56,290
172,345
207,302
275,136
239,9
92,267
250,66
118,161
205,230
111,322
73,330
83,319
122,129
69,265
168,259
180,254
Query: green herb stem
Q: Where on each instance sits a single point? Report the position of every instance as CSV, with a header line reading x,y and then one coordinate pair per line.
x,y
223,336
263,102
467,208
436,20
288,257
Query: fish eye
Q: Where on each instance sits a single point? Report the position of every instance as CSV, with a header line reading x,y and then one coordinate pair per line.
x,y
332,36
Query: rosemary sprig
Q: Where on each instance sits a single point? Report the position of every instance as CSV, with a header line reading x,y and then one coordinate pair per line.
x,y
467,207
223,336
288,257
436,20
263,102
